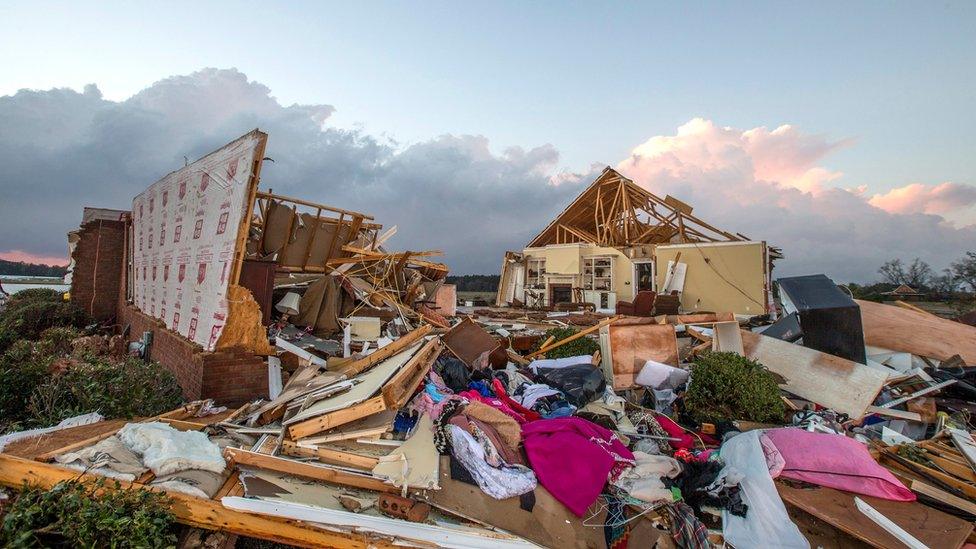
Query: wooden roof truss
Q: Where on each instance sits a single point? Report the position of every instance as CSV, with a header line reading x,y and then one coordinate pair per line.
x,y
614,211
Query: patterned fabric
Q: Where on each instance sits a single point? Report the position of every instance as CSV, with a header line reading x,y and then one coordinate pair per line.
x,y
616,529
442,438
686,530
498,482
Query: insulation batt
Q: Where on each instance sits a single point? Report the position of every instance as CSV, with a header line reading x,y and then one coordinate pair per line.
x,y
166,450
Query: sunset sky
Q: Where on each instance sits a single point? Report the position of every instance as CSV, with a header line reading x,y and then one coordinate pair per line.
x,y
839,132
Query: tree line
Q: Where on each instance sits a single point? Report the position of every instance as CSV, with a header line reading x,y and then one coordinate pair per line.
x,y
19,268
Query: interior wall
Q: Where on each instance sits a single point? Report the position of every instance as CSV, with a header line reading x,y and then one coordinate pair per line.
x,y
721,276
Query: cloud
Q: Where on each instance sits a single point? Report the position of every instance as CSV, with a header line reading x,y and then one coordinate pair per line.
x,y
770,185
918,198
62,149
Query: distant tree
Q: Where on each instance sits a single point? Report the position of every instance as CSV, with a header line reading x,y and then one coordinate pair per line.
x,y
947,283
893,271
965,270
918,274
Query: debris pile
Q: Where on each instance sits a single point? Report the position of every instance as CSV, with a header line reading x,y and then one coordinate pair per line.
x,y
396,417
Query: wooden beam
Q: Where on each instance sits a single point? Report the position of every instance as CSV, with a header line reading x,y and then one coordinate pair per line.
x,y
574,337
240,246
374,358
196,512
333,209
329,455
307,470
327,421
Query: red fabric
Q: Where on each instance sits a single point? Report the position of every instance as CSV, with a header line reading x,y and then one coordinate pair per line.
x,y
685,439
835,461
529,415
573,458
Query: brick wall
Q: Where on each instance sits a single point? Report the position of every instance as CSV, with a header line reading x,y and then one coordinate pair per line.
x,y
96,279
231,378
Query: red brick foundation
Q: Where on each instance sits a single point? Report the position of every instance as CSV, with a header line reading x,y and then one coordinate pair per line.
x,y
231,378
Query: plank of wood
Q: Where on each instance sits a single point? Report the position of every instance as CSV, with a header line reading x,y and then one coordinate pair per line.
x,y
329,455
931,526
888,525
196,512
920,392
943,496
891,412
307,470
964,442
324,422
574,337
828,380
386,352
921,334
404,383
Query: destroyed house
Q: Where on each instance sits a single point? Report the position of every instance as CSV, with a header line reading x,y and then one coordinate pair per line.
x,y
618,242
194,271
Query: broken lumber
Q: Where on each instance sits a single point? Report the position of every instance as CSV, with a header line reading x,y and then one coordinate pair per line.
x,y
828,380
192,511
574,337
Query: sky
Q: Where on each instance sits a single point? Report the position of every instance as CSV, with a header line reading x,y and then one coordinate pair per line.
x,y
841,132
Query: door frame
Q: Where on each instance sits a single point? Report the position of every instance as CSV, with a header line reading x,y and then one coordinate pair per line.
x,y
634,277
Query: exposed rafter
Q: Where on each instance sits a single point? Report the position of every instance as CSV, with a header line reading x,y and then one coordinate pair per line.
x,y
609,213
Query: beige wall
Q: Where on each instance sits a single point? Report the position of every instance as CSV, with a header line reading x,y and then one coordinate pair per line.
x,y
714,285
566,259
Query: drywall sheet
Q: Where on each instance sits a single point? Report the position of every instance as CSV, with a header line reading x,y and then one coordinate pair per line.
x,y
918,333
185,229
719,276
828,380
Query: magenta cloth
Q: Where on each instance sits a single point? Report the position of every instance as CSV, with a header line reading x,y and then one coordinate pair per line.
x,y
573,458
835,461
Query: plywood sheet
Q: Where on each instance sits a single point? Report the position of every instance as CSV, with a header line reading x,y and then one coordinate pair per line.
x,y
918,333
468,341
634,344
930,526
828,380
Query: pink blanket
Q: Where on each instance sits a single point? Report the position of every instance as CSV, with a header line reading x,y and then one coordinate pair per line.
x,y
573,458
835,461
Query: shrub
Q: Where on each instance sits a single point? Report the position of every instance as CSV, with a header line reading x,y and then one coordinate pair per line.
x,y
582,346
21,371
727,386
114,389
57,341
30,312
77,514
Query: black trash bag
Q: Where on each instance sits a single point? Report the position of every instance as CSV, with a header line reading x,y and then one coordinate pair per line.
x,y
454,373
581,383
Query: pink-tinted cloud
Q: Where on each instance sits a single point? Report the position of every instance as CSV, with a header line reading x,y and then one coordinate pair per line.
x,y
20,255
773,186
918,198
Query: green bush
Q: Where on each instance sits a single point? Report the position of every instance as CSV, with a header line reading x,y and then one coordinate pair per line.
x,y
581,346
28,313
76,514
114,389
21,372
728,386
57,341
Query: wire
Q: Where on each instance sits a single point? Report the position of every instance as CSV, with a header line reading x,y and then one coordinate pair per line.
x,y
727,281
